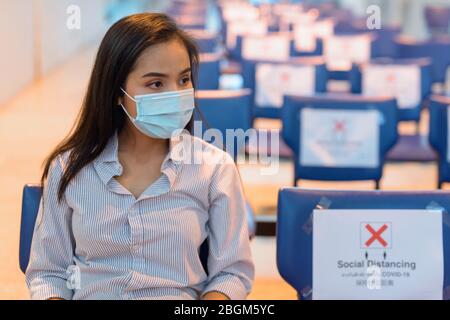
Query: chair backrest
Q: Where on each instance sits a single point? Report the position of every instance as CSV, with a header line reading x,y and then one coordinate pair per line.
x,y
209,72
291,132
437,49
404,114
295,225
225,109
384,41
354,55
31,198
206,41
249,69
438,134
437,18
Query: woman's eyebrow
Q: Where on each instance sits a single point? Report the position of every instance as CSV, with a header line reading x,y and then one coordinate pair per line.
x,y
186,70
162,75
154,74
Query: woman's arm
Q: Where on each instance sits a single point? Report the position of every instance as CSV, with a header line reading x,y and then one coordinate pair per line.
x,y
52,246
230,265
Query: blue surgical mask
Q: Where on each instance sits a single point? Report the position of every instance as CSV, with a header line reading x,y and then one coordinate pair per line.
x,y
159,115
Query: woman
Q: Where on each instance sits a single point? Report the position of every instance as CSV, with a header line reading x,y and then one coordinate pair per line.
x,y
122,217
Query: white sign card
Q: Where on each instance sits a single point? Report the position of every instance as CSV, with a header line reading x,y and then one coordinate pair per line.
x,y
400,81
240,11
291,18
339,138
244,28
268,48
341,51
378,254
273,81
306,34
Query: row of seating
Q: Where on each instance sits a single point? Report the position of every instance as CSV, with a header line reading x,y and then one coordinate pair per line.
x,y
409,80
233,110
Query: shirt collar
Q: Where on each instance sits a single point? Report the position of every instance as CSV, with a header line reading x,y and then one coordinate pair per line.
x,y
108,166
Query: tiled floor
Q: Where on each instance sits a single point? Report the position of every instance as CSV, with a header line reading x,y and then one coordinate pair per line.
x,y
32,123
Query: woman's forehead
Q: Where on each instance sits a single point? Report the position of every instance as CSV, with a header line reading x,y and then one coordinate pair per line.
x,y
168,57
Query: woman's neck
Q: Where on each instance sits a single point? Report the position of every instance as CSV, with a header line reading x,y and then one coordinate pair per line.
x,y
140,146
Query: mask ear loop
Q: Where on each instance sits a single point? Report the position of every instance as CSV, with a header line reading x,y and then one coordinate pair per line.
x,y
123,107
127,94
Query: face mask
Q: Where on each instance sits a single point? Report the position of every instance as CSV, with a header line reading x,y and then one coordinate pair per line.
x,y
160,114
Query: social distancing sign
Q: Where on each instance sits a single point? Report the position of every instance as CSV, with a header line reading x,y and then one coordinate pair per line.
x,y
307,33
342,51
274,81
402,82
378,254
244,28
267,48
339,138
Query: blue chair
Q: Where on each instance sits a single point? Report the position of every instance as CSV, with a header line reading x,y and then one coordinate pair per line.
x,y
209,72
225,109
249,76
384,41
295,225
409,114
206,41
437,49
438,135
438,19
291,116
31,198
235,53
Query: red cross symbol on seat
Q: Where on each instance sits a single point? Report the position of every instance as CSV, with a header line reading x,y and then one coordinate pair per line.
x,y
285,77
339,126
376,235
391,77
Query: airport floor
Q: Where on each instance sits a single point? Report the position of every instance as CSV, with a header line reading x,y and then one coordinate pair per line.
x,y
34,121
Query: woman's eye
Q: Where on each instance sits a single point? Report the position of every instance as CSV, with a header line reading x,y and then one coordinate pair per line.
x,y
156,85
185,80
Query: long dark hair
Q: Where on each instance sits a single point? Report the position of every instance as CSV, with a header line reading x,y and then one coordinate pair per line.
x,y
99,117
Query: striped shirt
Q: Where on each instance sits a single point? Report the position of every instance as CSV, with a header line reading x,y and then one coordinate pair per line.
x,y
100,242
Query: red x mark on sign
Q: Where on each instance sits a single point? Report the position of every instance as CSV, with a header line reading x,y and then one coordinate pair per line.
x,y
391,77
376,235
339,126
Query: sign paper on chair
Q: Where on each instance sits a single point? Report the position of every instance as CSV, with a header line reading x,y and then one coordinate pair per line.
x,y
273,81
342,51
244,28
240,11
378,254
306,34
400,81
339,138
268,48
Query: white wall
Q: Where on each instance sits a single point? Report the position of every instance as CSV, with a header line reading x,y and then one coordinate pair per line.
x,y
16,49
35,38
59,43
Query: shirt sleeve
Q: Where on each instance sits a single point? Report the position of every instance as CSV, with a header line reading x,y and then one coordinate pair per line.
x,y
230,265
52,245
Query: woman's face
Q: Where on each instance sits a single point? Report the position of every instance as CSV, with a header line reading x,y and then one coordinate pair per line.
x,y
160,68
